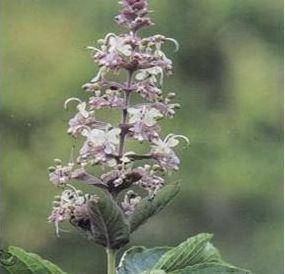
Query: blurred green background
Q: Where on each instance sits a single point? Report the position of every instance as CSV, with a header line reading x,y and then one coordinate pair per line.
x,y
229,79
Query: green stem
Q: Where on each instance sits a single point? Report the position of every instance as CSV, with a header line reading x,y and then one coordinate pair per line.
x,y
111,261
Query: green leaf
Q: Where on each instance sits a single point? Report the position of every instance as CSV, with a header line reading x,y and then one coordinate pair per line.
x,y
195,250
211,268
22,262
149,207
154,272
109,226
139,259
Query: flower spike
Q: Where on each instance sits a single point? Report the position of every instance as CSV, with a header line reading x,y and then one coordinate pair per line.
x,y
104,143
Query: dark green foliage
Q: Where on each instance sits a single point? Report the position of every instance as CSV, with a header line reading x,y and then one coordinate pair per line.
x,y
22,262
149,207
109,227
194,256
195,250
139,259
211,268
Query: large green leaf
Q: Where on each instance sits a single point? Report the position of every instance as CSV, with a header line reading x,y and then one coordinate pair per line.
x,y
109,226
211,268
194,256
149,207
195,250
139,259
22,262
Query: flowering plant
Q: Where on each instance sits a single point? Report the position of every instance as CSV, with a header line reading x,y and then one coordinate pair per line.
x,y
130,187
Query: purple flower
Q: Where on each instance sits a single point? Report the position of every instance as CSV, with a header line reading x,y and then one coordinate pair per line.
x,y
61,175
114,52
167,110
149,180
148,90
71,205
110,99
130,202
143,122
100,145
83,119
115,176
133,15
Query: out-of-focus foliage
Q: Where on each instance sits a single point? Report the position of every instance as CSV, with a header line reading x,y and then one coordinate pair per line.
x,y
20,261
228,79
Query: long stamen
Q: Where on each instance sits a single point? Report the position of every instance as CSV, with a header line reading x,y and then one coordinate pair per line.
x,y
94,49
72,99
175,42
98,76
108,36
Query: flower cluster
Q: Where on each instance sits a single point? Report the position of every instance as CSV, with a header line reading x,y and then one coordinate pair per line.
x,y
70,206
104,143
134,14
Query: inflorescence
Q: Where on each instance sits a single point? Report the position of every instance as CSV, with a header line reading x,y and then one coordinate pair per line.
x,y
105,144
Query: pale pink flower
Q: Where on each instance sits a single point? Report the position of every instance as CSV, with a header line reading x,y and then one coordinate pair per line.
x,y
70,206
149,180
110,99
84,118
130,202
133,15
100,145
162,151
143,122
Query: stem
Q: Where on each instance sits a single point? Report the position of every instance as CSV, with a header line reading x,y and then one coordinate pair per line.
x,y
125,113
111,261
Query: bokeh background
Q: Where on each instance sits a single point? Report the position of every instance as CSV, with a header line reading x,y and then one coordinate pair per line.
x,y
228,76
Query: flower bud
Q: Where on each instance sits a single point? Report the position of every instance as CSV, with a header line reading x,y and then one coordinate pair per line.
x,y
51,169
156,168
171,95
57,161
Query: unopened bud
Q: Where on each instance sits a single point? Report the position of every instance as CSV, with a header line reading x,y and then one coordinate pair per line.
x,y
171,95
177,106
147,167
156,168
51,169
97,92
79,192
57,161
